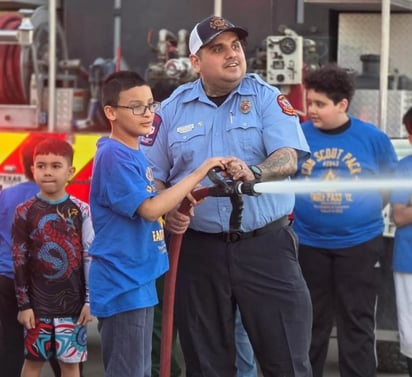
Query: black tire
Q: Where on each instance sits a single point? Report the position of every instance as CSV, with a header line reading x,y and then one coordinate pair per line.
x,y
390,360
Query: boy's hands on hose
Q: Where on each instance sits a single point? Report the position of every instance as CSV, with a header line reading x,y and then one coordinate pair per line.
x,y
210,163
229,167
177,222
237,169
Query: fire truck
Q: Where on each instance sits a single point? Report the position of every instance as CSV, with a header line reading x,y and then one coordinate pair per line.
x,y
29,103
41,91
44,90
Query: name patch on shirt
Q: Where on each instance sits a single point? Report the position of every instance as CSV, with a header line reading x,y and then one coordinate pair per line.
x,y
186,128
149,139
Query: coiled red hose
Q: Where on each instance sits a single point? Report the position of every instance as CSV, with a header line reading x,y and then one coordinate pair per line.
x,y
11,86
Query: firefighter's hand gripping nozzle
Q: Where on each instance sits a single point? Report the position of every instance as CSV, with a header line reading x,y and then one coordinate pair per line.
x,y
228,187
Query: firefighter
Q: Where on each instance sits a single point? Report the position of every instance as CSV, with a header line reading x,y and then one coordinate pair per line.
x,y
229,111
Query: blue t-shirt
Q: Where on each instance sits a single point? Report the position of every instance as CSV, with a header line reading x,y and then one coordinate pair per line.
x,y
253,121
10,197
128,252
402,249
335,220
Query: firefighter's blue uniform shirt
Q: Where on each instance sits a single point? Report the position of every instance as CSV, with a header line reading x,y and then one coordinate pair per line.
x,y
402,249
190,128
349,155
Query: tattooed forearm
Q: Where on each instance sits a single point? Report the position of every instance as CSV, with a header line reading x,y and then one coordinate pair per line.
x,y
280,164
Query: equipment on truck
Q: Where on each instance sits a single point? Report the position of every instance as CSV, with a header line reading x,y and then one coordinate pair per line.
x,y
95,120
24,84
172,66
24,71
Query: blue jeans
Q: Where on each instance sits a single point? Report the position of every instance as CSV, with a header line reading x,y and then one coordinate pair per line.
x,y
245,359
126,342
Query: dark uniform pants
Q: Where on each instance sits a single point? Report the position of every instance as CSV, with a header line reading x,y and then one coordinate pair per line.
x,y
11,332
262,276
344,285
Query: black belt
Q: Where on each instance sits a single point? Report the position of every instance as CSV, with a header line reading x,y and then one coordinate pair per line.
x,y
236,236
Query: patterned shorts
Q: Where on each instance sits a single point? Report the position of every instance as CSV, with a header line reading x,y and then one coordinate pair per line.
x,y
61,337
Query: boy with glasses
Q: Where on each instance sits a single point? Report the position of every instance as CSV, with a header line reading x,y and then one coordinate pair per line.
x,y
129,251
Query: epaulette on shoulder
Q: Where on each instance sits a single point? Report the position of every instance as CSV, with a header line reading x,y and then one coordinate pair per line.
x,y
180,90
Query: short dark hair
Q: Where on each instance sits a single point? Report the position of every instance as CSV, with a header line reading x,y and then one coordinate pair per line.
x,y
407,121
26,153
337,83
56,146
118,82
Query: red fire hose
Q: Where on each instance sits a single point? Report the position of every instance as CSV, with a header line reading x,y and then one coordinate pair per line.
x,y
169,288
11,86
221,188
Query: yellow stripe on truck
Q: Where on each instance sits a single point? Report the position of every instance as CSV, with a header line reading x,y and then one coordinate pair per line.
x,y
10,142
84,149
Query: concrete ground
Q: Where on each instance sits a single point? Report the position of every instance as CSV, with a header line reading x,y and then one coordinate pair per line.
x,y
94,368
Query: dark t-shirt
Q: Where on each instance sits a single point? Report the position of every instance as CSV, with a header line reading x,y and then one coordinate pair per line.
x,y
50,257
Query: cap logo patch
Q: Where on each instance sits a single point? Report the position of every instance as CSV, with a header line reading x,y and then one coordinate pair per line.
x,y
285,105
217,23
208,29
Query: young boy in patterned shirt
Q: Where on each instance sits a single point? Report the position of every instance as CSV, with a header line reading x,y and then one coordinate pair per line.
x,y
51,234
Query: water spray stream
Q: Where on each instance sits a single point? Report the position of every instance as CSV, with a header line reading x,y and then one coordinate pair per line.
x,y
303,187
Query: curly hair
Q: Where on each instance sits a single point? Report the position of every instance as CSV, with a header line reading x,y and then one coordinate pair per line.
x,y
332,80
407,121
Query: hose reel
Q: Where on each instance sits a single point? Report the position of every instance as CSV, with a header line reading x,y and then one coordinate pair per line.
x,y
18,61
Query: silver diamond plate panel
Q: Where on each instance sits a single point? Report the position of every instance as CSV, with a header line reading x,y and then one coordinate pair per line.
x,y
365,105
360,33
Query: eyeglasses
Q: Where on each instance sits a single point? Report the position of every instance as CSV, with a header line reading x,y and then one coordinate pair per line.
x,y
140,109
